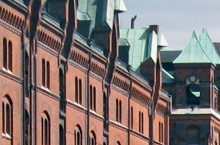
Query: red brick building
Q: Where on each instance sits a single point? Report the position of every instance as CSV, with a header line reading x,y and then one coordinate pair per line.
x,y
67,77
192,77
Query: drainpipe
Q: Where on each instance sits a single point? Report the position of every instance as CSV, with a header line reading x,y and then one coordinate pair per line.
x,y
23,93
152,110
35,91
88,96
129,100
152,124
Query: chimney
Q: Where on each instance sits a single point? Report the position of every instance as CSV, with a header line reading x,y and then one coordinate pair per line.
x,y
132,21
154,28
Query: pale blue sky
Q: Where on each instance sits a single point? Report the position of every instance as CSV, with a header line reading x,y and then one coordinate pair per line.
x,y
177,18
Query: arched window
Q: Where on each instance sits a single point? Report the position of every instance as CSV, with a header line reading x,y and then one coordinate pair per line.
x,y
141,122
193,95
10,55
90,95
132,117
5,53
43,72
48,75
118,111
80,91
92,138
94,99
77,135
7,116
161,131
76,89
45,129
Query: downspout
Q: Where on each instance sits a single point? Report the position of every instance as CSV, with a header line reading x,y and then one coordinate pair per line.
x,y
129,106
88,97
35,91
166,122
31,93
151,112
23,93
152,124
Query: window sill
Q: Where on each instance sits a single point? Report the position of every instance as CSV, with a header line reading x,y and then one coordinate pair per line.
x,y
7,70
46,89
7,136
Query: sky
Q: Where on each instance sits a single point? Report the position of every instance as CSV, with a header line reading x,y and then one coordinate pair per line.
x,y
177,19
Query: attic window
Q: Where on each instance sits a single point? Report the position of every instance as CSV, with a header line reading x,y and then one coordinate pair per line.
x,y
193,94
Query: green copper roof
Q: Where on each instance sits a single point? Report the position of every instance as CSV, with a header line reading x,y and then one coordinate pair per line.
x,y
193,53
100,12
137,38
152,47
209,47
143,45
120,6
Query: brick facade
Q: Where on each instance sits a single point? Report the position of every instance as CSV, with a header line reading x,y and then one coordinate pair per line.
x,y
65,89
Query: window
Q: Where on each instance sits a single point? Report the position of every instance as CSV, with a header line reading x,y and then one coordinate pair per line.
x,y
161,132
78,90
7,54
61,135
43,72
118,111
216,104
141,122
77,135
132,117
27,118
46,74
193,94
92,95
92,138
45,129
7,116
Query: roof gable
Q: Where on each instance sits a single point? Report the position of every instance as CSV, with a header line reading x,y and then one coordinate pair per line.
x,y
193,53
209,47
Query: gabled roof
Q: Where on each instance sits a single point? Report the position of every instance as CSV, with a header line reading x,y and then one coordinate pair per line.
x,y
143,45
193,53
137,39
100,13
209,47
